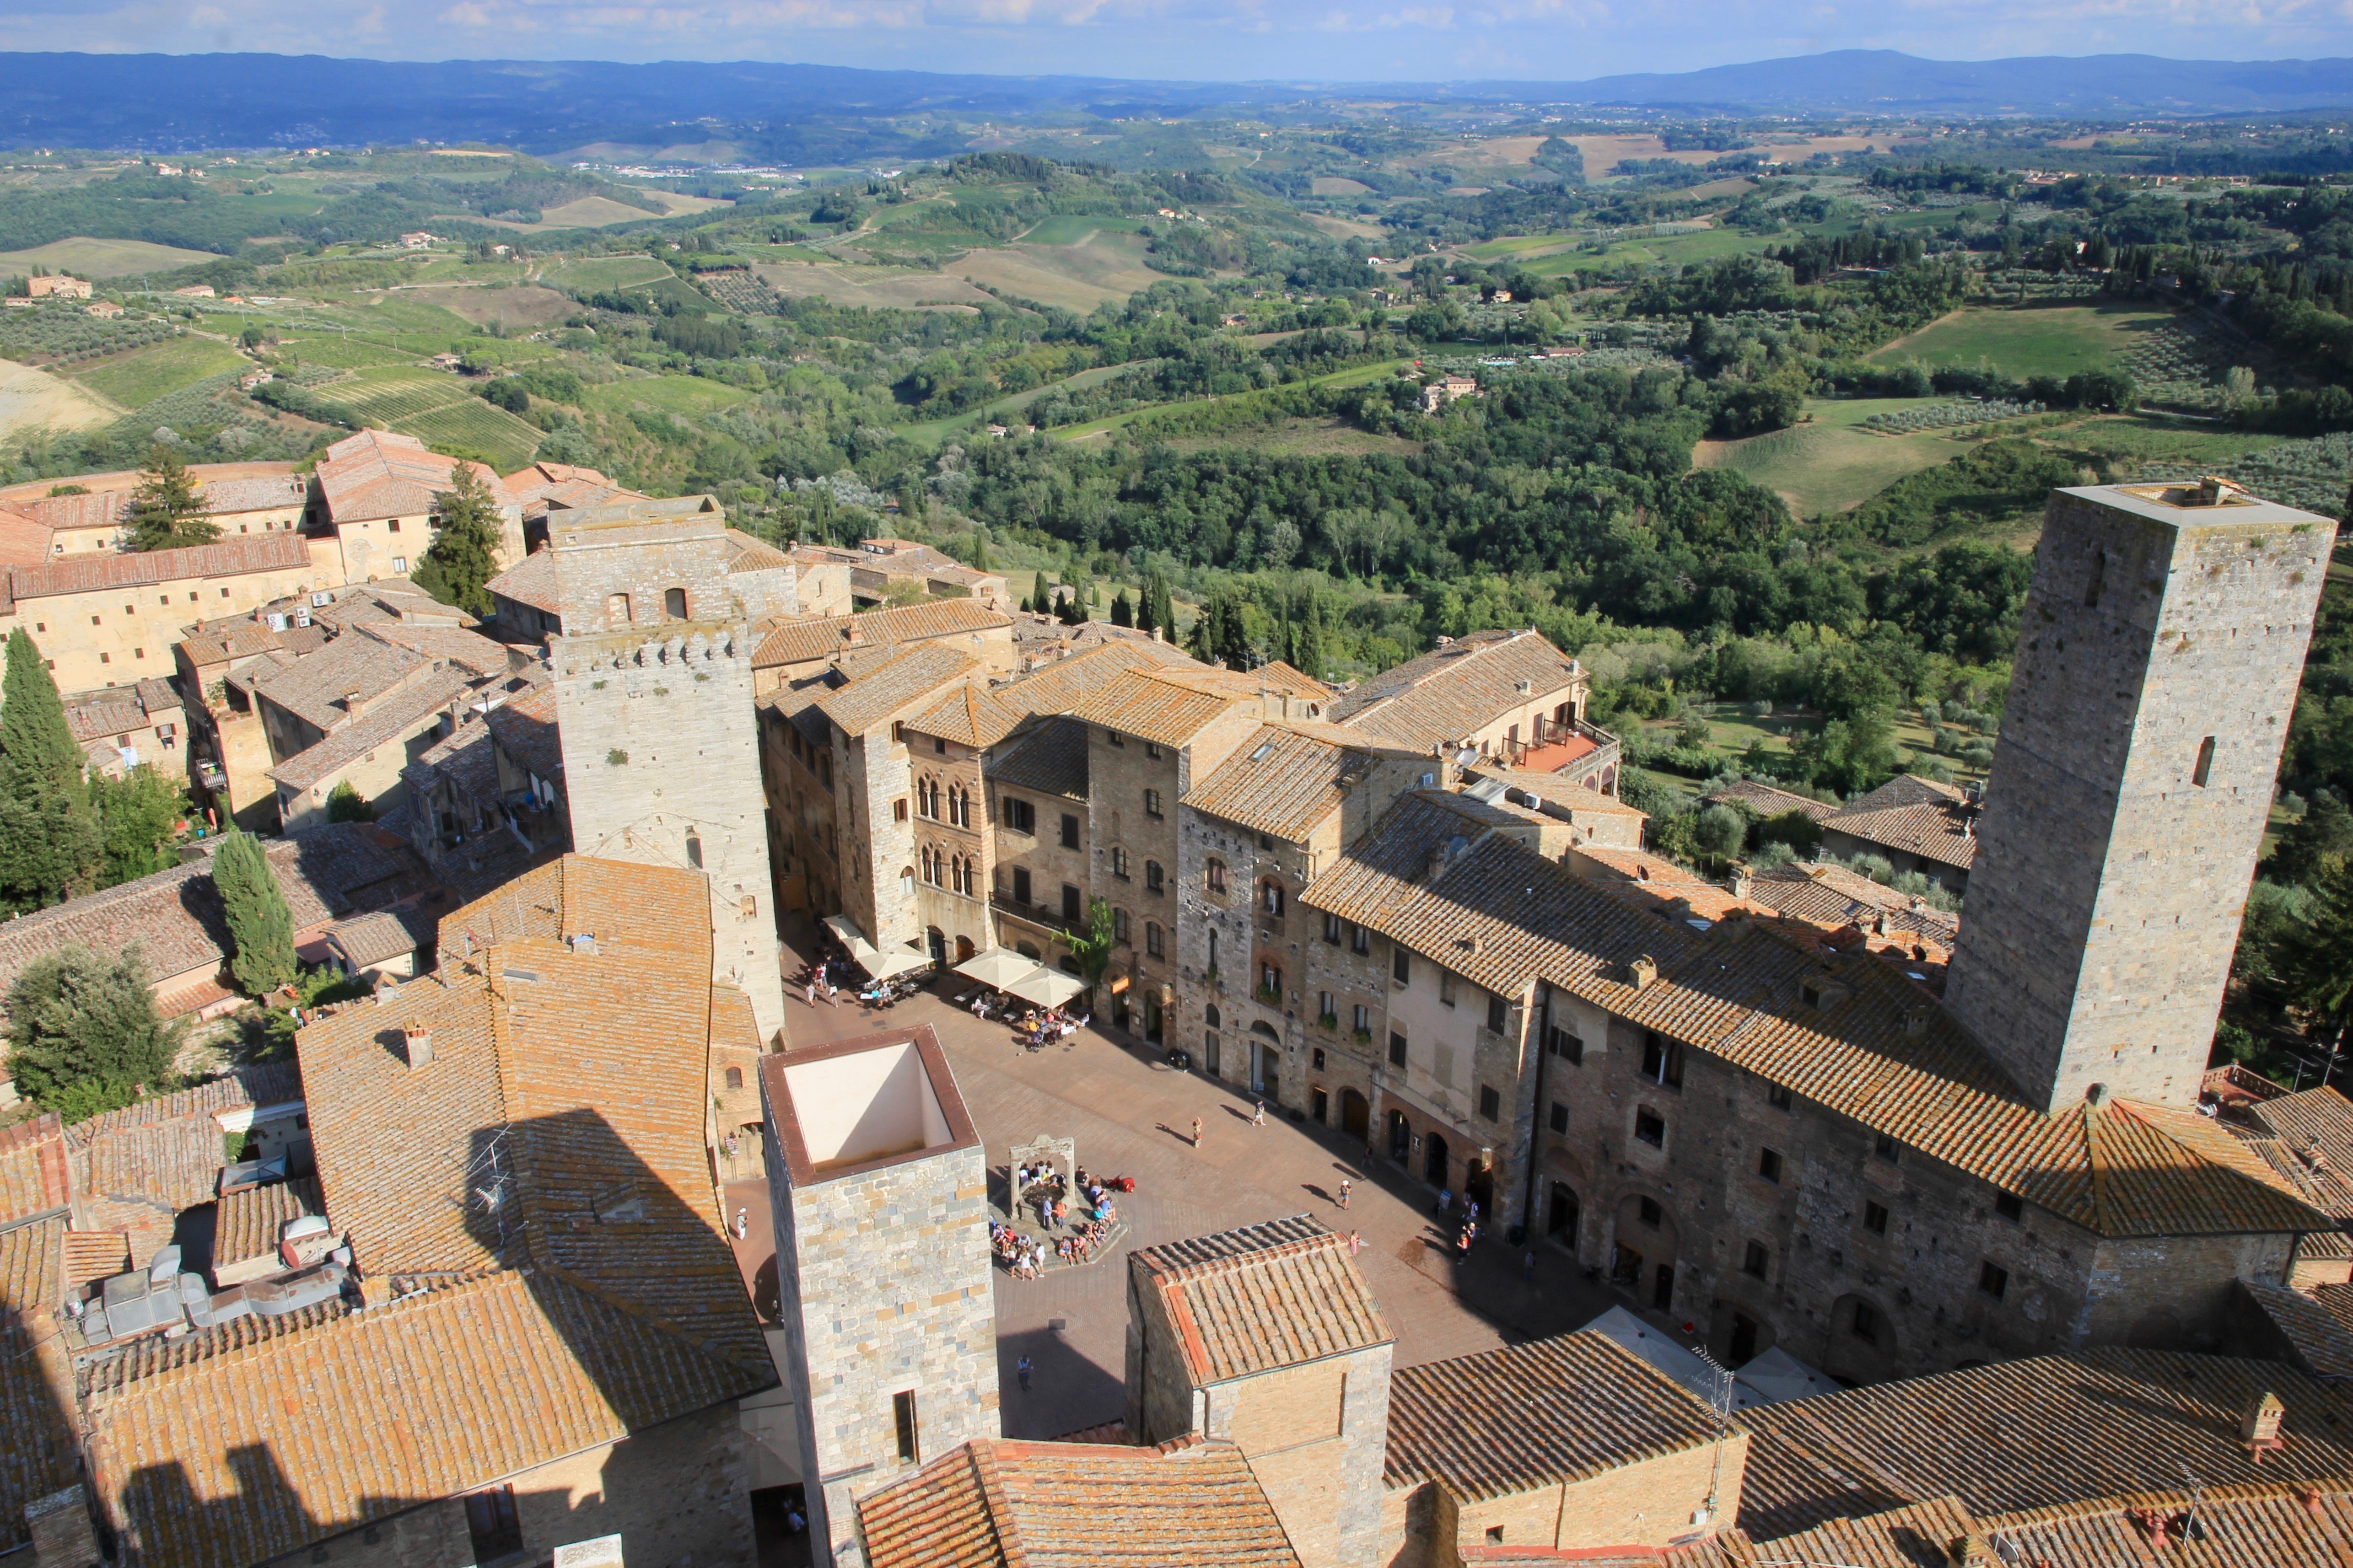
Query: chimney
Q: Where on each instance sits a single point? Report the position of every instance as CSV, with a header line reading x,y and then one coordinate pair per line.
x,y
416,1039
1643,972
351,701
1740,883
852,634
2259,1424
2210,490
1915,1019
63,1536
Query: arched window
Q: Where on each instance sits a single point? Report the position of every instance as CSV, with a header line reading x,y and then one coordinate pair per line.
x,y
1270,896
735,1078
674,603
694,850
906,881
1213,952
1214,877
1212,1017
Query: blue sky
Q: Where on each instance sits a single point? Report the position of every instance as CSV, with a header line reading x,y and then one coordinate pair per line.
x,y
1198,40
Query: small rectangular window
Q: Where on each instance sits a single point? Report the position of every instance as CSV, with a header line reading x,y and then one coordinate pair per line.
x,y
1360,1017
2205,768
1113,736
1886,1150
1650,1128
1021,885
1397,1050
1152,802
1070,831
491,1521
1777,1095
1318,1055
1768,1164
1559,1120
1359,939
1491,1104
1071,909
1864,1325
1566,1046
902,1413
1446,986
1994,1280
1662,1060
2009,1205
1331,926
1152,939
1754,1261
1155,881
898,811
1648,1211
1874,1218
1401,966
1499,1015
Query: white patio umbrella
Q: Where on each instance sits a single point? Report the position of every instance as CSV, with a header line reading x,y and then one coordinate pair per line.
x,y
888,961
995,967
852,937
1047,987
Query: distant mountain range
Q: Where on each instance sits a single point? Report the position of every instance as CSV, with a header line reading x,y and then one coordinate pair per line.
x,y
179,102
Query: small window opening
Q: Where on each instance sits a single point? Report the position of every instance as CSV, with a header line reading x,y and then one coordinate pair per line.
x,y
2099,578
902,1412
674,603
2205,768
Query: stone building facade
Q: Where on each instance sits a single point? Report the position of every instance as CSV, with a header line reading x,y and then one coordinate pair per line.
x,y
659,741
2163,640
879,1189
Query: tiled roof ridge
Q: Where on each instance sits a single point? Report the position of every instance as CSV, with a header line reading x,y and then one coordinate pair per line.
x,y
998,1507
1837,1450
653,1321
1201,1269
249,1083
36,1129
2167,1497
1235,1248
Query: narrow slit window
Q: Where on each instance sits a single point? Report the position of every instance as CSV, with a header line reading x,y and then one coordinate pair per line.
x,y
902,1410
2099,579
2205,768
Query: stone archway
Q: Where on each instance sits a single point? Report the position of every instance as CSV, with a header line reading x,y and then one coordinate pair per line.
x,y
1861,1346
1356,1114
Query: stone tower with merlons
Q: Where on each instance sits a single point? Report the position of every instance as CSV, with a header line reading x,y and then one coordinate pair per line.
x,y
2159,656
653,699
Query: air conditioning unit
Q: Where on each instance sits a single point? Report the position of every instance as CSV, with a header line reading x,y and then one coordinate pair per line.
x,y
301,615
277,621
321,599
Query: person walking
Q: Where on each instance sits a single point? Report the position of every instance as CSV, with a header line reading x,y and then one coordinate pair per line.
x,y
1021,1370
809,990
1257,1117
1528,1269
1345,1184
1445,1199
1354,1243
1197,1133
741,1219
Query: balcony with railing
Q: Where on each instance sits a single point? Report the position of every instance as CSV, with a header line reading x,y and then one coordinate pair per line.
x,y
1577,752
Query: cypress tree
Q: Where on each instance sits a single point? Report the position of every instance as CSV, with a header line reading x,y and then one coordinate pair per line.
x,y
50,847
166,511
261,926
462,556
1145,618
1123,613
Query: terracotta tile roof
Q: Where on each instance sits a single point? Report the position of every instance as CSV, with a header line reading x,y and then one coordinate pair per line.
x,y
1453,691
382,934
1286,778
465,759
1559,1410
377,474
1262,1297
1167,705
569,1082
1916,1536
2315,1180
1504,917
73,514
94,1255
1058,687
1770,801
458,646
248,1224
530,581
166,1153
538,486
1822,893
822,636
914,677
36,1174
747,553
997,1503
100,716
23,542
313,686
173,916
2267,1525
254,492
1051,759
2041,1433
970,715
1644,867
2318,1323
37,1457
2319,1121
1557,789
452,1387
240,639
97,570
386,723
1937,831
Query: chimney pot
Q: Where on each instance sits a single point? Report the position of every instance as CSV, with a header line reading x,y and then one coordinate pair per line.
x,y
2259,1423
416,1039
2097,1095
1643,972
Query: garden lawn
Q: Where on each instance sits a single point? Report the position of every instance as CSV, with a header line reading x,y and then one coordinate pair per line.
x,y
2030,339
1827,465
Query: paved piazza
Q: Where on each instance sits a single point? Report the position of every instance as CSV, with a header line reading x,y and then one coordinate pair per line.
x,y
1131,1114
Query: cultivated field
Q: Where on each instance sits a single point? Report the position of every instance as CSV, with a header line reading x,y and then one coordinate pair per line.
x,y
884,287
519,308
1827,465
665,393
607,272
1105,267
1301,438
471,425
135,380
436,409
102,257
2034,339
1337,186
1077,228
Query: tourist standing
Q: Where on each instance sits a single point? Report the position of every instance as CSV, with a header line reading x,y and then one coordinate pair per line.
x,y
1021,1370
1258,1118
1197,1133
1345,1184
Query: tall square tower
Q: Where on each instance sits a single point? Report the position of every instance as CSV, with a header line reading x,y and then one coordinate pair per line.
x,y
879,1195
653,703
2161,644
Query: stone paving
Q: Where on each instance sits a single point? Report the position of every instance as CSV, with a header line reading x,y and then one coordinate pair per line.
x,y
1131,1114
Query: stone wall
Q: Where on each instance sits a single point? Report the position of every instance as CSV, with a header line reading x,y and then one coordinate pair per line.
x,y
661,765
886,1289
2157,668
674,1493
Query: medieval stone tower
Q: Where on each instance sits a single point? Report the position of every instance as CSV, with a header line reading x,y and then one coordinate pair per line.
x,y
662,757
2157,662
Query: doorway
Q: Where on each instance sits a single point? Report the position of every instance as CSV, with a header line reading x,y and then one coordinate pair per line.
x,y
1479,1186
1400,1137
1268,1080
965,950
1319,1105
1561,1215
1744,1340
1210,1052
1434,1167
1356,1115
938,942
1152,1017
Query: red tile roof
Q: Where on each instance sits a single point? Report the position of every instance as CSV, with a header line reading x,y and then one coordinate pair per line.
x,y
376,474
1456,690
1262,1297
225,558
